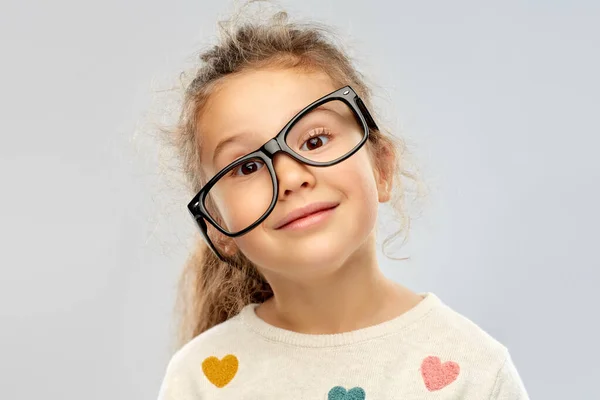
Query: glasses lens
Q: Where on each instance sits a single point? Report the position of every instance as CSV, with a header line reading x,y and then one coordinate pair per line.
x,y
326,133
241,196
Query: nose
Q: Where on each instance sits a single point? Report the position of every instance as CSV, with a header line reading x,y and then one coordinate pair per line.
x,y
291,175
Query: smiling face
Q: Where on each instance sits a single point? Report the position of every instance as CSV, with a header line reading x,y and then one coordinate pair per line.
x,y
246,111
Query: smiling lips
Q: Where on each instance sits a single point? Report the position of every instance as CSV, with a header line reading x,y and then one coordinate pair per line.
x,y
307,215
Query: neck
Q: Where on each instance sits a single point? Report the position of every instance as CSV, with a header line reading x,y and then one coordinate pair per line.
x,y
353,296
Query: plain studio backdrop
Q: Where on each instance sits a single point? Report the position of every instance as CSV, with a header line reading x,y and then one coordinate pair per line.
x,y
500,103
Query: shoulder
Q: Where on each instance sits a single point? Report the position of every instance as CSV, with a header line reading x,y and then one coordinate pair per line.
x,y
446,339
450,325
186,365
208,342
446,331
508,384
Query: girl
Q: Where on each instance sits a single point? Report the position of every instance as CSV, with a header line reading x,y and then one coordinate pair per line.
x,y
288,164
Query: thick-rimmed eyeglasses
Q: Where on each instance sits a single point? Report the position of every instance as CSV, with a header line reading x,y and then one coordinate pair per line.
x,y
243,194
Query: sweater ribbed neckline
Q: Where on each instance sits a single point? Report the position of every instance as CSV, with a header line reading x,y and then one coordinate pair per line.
x,y
249,318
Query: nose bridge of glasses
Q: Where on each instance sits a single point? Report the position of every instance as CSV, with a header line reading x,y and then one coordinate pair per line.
x,y
274,146
271,147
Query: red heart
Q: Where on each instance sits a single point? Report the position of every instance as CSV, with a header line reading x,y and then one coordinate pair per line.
x,y
437,375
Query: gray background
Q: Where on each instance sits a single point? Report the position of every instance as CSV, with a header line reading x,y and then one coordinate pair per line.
x,y
500,101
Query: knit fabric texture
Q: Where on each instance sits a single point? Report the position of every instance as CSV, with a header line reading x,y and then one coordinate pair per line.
x,y
428,352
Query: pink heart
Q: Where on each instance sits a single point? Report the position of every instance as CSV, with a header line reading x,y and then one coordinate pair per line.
x,y
437,375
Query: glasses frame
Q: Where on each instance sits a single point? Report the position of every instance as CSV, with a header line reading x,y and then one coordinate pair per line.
x,y
267,152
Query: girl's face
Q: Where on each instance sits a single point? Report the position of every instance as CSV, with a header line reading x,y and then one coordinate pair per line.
x,y
257,104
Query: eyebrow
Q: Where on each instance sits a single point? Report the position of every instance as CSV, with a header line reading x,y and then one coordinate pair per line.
x,y
236,138
221,145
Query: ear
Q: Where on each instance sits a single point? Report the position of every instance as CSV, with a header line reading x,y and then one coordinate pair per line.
x,y
384,173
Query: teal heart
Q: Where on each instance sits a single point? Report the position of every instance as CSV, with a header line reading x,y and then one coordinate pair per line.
x,y
339,393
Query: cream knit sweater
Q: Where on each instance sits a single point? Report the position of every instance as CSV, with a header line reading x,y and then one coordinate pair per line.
x,y
429,352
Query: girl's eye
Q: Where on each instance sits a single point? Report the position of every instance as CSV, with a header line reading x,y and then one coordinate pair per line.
x,y
247,168
316,140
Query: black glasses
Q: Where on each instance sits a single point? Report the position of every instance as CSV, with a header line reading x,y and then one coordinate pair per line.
x,y
243,194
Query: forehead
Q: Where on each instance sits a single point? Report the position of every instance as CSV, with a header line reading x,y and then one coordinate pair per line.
x,y
258,103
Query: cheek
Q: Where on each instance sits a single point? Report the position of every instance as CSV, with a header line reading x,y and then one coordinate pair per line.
x,y
357,181
355,177
254,245
242,201
243,211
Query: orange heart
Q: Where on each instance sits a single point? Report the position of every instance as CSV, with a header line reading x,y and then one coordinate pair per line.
x,y
220,372
437,375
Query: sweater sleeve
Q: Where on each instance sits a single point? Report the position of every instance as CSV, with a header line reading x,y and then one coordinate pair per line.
x,y
177,383
508,385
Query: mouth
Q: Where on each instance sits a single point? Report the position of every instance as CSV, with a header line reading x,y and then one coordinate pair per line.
x,y
307,216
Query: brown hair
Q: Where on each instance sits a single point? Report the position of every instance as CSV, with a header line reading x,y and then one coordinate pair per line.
x,y
212,291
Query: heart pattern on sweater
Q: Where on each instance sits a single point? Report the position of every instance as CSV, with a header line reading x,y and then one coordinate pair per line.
x,y
340,393
220,372
437,375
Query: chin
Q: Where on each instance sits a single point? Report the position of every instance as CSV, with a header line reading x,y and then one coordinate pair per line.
x,y
321,252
